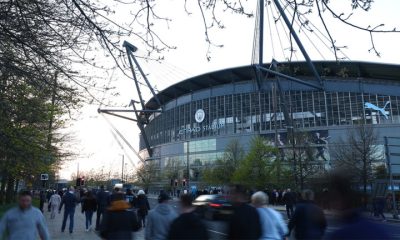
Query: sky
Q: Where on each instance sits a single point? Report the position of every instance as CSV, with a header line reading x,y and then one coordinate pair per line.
x,y
96,146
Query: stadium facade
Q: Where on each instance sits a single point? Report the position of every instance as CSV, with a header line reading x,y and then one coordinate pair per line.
x,y
201,115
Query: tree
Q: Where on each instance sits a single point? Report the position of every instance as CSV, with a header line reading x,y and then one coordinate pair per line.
x,y
303,158
221,172
146,174
255,169
173,170
358,154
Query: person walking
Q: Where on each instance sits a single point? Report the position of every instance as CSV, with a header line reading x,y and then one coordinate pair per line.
x,y
119,221
89,206
142,206
380,207
42,200
103,200
160,219
308,220
49,193
188,225
24,221
289,199
245,221
130,197
69,200
55,201
272,224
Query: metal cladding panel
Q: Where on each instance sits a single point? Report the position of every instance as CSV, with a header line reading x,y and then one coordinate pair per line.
x,y
184,99
201,94
170,105
222,90
244,87
393,90
339,86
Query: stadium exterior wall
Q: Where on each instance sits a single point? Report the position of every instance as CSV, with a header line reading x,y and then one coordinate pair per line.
x,y
210,116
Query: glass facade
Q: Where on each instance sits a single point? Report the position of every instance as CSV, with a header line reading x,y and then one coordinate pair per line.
x,y
263,112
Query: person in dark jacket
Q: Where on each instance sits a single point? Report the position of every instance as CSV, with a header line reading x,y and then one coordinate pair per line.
x,y
42,200
119,221
142,205
89,206
308,219
116,194
245,221
188,225
289,199
69,200
130,197
103,201
348,204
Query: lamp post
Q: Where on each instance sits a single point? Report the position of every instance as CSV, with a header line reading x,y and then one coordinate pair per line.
x,y
123,164
187,165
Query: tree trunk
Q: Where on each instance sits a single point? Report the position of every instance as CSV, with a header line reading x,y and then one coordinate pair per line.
x,y
10,190
3,188
364,176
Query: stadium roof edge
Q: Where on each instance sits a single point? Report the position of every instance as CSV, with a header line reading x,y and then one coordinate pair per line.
x,y
341,69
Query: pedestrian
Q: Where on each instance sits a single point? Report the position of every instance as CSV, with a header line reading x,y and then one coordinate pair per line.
x,y
308,220
49,193
245,221
69,200
24,221
42,200
89,206
115,194
272,223
103,200
130,197
119,221
346,202
160,219
188,225
289,199
325,199
380,207
55,201
142,206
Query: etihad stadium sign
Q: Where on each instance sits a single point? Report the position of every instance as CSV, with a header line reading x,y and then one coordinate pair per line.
x,y
199,118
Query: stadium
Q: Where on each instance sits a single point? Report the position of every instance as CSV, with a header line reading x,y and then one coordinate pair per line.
x,y
195,119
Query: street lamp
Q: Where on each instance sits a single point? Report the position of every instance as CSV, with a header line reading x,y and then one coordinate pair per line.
x,y
123,164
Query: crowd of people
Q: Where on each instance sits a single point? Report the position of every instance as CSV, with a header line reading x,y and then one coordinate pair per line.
x,y
119,214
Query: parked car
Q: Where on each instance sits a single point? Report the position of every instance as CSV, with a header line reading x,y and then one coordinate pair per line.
x,y
213,206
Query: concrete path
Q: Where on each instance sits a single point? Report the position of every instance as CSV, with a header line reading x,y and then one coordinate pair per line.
x,y
79,233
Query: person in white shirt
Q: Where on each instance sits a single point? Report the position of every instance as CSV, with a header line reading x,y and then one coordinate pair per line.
x,y
272,224
24,221
55,201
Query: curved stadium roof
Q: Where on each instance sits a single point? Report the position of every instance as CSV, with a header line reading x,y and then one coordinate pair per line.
x,y
298,69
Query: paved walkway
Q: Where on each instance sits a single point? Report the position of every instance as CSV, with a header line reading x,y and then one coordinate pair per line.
x,y
79,233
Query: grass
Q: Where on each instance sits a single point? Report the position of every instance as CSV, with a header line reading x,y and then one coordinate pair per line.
x,y
5,207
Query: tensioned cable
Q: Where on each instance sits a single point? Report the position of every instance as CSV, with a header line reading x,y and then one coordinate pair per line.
x,y
277,31
286,34
122,147
323,35
123,138
314,27
305,33
270,34
254,55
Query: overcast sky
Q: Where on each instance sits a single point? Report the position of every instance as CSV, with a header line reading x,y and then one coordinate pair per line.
x,y
96,145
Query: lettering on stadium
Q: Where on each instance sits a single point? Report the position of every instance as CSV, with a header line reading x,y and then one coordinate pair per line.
x,y
201,128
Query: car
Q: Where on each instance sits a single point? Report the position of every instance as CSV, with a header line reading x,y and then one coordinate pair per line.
x,y
214,206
